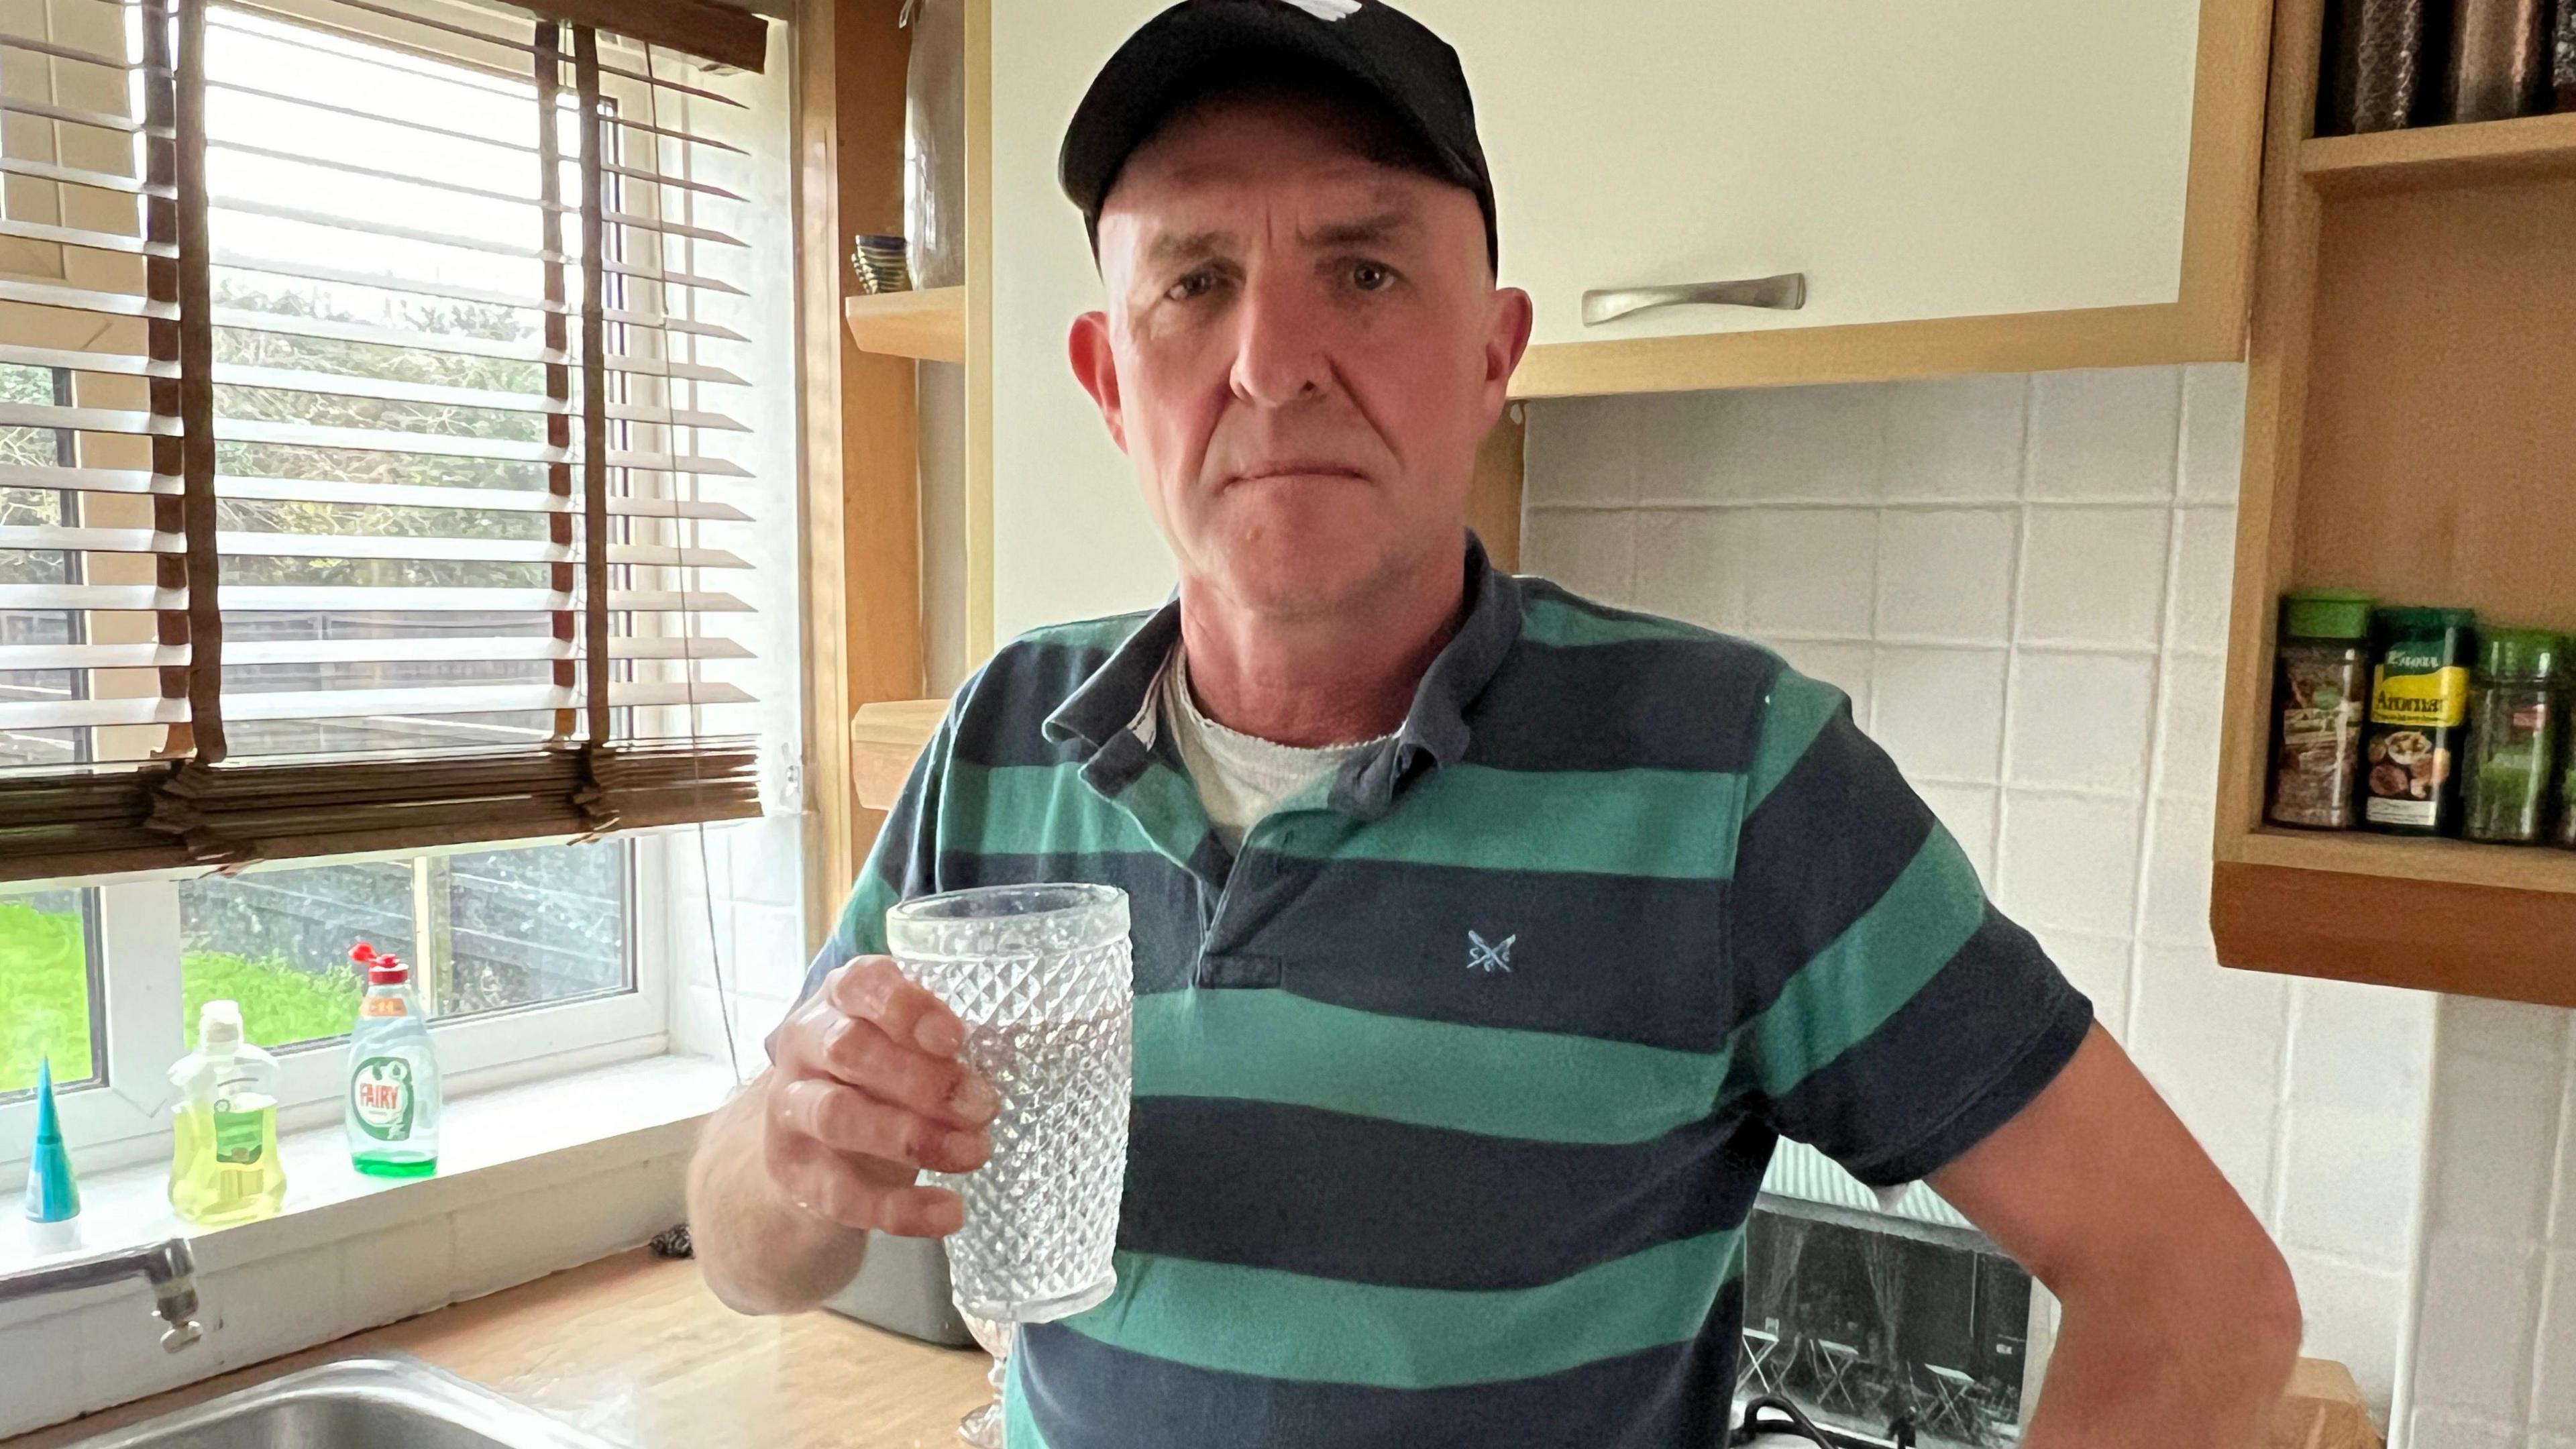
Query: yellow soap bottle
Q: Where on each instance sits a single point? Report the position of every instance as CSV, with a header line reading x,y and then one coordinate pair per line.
x,y
223,1161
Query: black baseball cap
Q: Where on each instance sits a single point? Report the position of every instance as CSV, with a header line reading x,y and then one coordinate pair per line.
x,y
1385,55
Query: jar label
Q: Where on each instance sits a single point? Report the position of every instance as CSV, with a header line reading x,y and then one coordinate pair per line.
x,y
2436,698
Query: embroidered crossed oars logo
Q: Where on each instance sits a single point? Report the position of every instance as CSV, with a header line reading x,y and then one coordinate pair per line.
x,y
1489,957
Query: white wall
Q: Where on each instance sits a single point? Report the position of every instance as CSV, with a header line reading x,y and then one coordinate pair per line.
x,y
2495,1364
1071,538
2023,583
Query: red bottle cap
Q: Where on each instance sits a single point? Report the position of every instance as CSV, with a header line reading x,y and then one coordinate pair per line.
x,y
382,970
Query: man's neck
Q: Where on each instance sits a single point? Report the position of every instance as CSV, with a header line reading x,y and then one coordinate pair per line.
x,y
1318,680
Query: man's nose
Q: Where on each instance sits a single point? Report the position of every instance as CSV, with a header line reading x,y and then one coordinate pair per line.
x,y
1280,355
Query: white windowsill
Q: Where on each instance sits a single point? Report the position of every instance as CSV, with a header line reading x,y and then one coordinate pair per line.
x,y
506,1140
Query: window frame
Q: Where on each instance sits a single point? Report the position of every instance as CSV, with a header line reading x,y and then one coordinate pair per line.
x,y
123,1118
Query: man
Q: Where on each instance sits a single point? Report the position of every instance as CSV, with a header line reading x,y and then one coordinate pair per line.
x,y
1486,938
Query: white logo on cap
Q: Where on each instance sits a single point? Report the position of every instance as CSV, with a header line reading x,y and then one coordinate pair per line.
x,y
1327,9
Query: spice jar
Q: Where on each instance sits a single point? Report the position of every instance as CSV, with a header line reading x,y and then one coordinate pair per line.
x,y
2515,723
2320,693
2419,714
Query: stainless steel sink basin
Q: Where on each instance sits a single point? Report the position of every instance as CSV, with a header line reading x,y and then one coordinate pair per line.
x,y
362,1403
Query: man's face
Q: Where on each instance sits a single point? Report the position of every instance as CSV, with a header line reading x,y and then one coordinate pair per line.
x,y
1302,350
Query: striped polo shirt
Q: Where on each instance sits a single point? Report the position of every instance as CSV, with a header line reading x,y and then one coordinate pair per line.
x,y
1455,1085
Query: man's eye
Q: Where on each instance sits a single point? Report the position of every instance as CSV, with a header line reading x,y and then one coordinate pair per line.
x,y
1194,285
1371,276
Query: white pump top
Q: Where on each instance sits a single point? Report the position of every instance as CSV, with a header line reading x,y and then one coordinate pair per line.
x,y
219,1026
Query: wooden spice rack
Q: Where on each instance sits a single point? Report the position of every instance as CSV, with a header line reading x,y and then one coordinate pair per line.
x,y
2410,430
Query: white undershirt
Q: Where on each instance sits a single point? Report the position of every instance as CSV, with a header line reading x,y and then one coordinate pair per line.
x,y
1240,777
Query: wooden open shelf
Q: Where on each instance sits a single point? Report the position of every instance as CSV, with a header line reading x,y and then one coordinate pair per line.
x,y
2409,431
2488,153
929,324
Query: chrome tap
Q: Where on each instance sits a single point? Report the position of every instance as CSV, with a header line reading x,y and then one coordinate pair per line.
x,y
168,1266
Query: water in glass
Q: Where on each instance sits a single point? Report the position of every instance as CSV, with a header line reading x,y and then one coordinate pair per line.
x,y
1041,977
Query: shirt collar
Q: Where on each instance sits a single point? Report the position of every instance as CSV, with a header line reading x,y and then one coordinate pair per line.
x,y
1117,702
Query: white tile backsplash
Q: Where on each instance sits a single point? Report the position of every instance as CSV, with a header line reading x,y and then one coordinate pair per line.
x,y
1793,444
2082,721
1940,712
2213,431
1813,571
1957,438
1691,564
2069,860
2094,576
2496,1119
2105,433
2204,579
2078,530
2478,1359
1946,574
1591,552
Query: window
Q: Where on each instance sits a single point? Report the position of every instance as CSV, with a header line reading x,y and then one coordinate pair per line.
x,y
435,510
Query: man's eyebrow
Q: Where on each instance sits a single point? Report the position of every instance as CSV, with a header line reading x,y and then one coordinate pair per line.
x,y
1177,248
1364,231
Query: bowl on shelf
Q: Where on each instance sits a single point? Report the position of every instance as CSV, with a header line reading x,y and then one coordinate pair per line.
x,y
882,262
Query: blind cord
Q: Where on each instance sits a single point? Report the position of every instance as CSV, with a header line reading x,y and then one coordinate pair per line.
x,y
689,620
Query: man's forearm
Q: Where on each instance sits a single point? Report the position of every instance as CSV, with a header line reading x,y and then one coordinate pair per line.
x,y
2158,1369
759,1252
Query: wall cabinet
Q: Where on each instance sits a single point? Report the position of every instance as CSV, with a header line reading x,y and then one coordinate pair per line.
x,y
1982,185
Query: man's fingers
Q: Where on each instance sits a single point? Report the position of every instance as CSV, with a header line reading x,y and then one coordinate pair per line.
x,y
835,1187
861,1054
873,988
845,1119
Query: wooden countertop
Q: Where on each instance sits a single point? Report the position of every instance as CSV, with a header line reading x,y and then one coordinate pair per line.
x,y
636,1350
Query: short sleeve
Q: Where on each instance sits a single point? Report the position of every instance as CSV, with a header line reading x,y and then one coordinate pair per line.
x,y
903,863
1894,1018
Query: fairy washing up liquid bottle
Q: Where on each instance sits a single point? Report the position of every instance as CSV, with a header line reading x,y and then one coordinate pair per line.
x,y
391,1115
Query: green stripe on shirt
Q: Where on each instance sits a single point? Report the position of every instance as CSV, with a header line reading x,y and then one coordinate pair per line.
x,y
1272,1046
1278,1325
1567,821
1030,810
1851,987
1565,626
1798,710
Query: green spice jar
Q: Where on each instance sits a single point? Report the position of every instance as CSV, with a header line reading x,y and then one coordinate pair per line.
x,y
2516,720
2419,714
2320,696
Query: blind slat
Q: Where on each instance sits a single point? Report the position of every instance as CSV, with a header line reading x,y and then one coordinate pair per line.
x,y
137,598
101,120
403,546
59,51
630,220
121,364
388,389
462,292
410,495
283,598
92,540
251,320
90,480
74,236
92,656
81,176
88,420
83,299
467,649
431,702
91,713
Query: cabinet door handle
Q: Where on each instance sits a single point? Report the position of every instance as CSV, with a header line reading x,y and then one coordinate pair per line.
x,y
1786,292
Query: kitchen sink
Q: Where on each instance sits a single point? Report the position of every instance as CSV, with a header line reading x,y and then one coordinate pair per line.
x,y
363,1403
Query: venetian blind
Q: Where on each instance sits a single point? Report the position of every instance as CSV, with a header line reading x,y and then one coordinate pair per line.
x,y
378,489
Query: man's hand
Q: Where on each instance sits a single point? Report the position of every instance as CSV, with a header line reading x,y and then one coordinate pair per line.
x,y
2181,1323
865,1091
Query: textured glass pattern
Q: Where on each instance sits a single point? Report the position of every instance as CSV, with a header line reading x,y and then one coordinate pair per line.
x,y
1041,977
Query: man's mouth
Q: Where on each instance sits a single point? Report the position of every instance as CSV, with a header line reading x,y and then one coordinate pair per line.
x,y
1292,468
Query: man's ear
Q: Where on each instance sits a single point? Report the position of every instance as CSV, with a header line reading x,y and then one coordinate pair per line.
x,y
1096,368
1513,315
